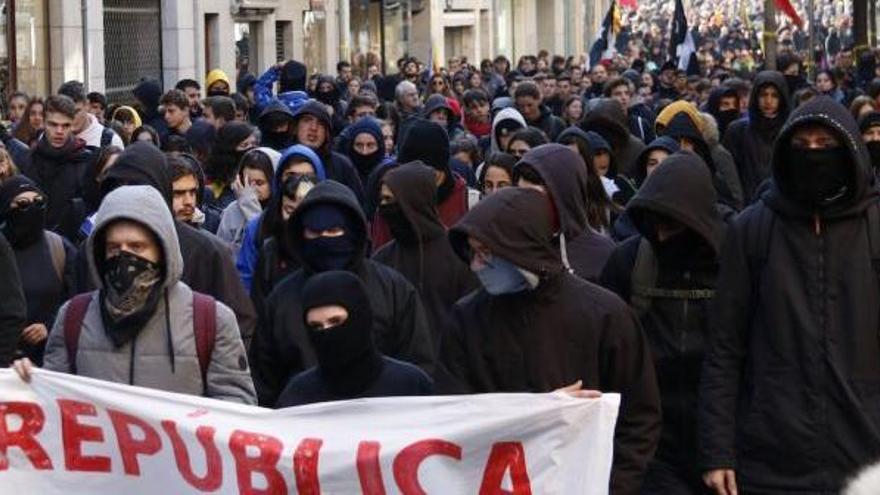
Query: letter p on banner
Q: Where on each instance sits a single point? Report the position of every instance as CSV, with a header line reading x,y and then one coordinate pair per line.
x,y
132,440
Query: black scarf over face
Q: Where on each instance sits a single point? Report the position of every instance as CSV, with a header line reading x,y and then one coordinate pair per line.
x,y
131,293
348,360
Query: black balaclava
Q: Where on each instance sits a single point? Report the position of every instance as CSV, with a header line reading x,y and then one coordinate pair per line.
x,y
21,226
278,141
347,356
329,253
428,142
874,150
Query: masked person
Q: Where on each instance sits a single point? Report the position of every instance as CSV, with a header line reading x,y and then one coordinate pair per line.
x,y
339,323
427,142
276,126
221,167
366,146
869,125
148,92
217,83
328,232
534,327
667,274
44,260
207,267
291,78
561,174
750,140
787,402
328,93
254,188
138,327
723,104
420,250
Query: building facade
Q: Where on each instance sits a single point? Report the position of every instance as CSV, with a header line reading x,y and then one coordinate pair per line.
x,y
111,44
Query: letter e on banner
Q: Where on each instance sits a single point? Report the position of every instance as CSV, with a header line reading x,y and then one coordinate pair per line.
x,y
25,437
74,433
407,462
506,456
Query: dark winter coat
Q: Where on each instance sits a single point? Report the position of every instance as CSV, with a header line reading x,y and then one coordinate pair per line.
x,y
565,177
207,261
427,261
281,347
750,139
13,309
790,392
563,331
676,328
549,123
61,173
609,120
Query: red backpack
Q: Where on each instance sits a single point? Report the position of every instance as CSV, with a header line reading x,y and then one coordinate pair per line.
x,y
204,327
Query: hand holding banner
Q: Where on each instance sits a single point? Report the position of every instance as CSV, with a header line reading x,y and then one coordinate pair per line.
x,y
63,434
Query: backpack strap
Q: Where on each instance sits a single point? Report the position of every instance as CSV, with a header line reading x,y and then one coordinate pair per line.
x,y
205,329
73,321
56,250
643,278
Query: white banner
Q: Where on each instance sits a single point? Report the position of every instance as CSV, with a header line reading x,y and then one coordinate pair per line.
x,y
62,434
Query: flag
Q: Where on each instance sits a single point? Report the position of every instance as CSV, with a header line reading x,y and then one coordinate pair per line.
x,y
629,4
786,8
681,42
603,47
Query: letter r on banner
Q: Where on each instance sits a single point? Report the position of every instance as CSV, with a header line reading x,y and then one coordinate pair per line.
x,y
25,438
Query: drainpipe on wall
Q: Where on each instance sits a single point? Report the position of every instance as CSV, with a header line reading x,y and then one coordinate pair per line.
x,y
85,41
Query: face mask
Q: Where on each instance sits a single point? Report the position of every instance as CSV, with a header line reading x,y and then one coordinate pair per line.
x,y
874,150
24,225
329,253
218,92
399,225
366,163
726,118
339,346
500,276
277,140
132,287
821,177
328,98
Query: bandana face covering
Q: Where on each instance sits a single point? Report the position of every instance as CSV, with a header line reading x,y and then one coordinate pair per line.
x,y
132,287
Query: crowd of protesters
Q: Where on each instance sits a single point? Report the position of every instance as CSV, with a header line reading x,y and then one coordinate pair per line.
x,y
706,244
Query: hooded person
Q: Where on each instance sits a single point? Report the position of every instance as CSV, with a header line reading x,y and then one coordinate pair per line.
x,y
201,137
44,260
148,92
439,104
217,83
667,274
254,189
298,161
221,167
427,142
608,118
869,125
314,128
730,113
561,174
601,211
329,232
138,327
750,139
725,167
207,267
276,126
327,92
507,121
528,329
787,396
339,323
291,77
420,250
13,309
365,146
619,187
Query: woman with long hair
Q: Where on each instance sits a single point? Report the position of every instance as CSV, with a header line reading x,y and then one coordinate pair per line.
x,y
31,124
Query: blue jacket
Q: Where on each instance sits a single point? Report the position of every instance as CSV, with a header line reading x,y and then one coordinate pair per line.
x,y
263,92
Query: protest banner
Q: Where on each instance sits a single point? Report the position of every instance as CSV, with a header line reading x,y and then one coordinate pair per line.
x,y
63,434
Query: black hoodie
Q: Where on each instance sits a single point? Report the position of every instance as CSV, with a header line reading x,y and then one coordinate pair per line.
x,y
609,119
565,178
423,255
676,328
207,261
281,346
565,330
789,392
750,139
273,115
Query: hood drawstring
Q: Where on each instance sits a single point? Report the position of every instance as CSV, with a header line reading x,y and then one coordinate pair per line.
x,y
168,333
563,252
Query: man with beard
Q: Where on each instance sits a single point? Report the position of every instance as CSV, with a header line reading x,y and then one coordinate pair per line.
x,y
329,232
339,322
788,401
869,124
750,139
667,275
58,165
144,326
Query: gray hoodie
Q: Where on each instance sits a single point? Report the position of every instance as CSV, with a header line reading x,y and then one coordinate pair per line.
x,y
146,360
